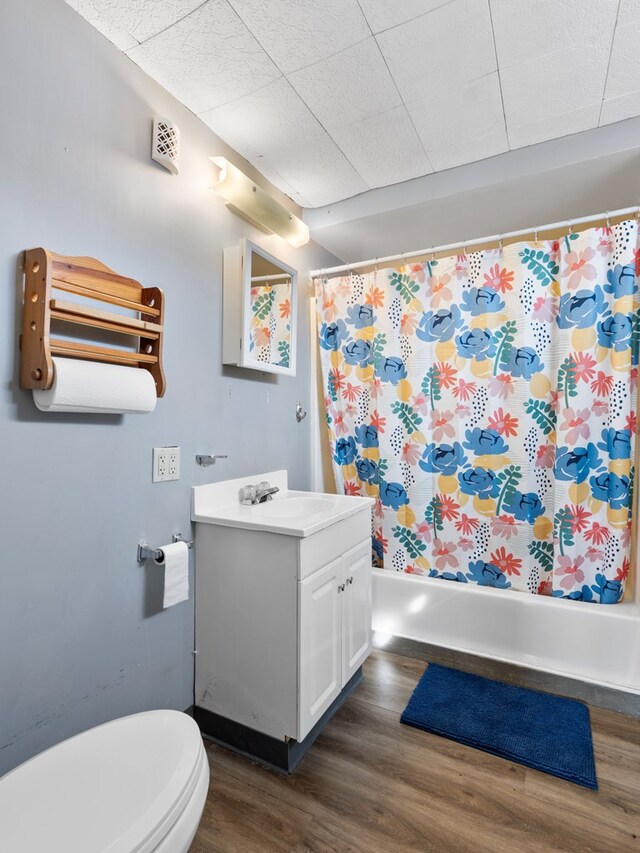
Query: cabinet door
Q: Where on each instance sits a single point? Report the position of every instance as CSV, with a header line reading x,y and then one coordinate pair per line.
x,y
320,639
356,609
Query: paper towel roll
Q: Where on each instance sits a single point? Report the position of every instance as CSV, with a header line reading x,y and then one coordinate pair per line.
x,y
89,386
176,573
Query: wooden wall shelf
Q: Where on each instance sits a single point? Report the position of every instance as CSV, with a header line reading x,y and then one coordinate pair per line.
x,y
46,272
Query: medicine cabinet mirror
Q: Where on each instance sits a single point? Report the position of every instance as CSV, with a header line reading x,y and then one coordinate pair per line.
x,y
259,310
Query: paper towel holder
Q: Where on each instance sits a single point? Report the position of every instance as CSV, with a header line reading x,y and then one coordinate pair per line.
x,y
145,552
46,272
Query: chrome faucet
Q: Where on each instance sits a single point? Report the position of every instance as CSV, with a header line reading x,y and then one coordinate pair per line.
x,y
251,495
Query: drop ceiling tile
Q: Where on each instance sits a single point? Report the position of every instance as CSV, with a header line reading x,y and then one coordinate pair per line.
x,y
445,47
91,11
554,84
296,33
452,118
207,59
467,150
529,29
383,15
384,149
617,109
624,68
139,19
629,12
349,86
318,170
553,127
262,165
266,120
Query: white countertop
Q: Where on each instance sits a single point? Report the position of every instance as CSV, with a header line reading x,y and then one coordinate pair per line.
x,y
290,513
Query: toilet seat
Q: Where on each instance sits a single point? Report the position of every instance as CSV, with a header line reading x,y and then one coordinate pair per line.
x,y
121,787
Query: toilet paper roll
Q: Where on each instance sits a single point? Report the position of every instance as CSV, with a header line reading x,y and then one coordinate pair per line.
x,y
175,559
89,386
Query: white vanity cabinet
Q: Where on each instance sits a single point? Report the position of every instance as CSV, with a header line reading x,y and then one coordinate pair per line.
x,y
335,630
283,619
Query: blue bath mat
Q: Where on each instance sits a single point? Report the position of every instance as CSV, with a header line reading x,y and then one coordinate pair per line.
x,y
536,729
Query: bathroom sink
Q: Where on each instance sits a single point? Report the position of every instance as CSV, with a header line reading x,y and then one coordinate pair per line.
x,y
291,513
291,508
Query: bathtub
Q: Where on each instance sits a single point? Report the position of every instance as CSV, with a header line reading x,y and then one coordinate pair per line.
x,y
595,643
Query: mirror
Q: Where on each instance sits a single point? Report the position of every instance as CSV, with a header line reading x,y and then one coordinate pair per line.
x,y
259,310
270,300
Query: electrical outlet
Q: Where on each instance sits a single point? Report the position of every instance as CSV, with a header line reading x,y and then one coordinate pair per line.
x,y
166,464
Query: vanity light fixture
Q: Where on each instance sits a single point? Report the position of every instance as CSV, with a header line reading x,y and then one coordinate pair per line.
x,y
245,198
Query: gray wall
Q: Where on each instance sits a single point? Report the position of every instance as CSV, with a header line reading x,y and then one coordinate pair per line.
x,y
82,639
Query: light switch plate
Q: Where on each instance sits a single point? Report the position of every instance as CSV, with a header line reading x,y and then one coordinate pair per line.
x,y
166,464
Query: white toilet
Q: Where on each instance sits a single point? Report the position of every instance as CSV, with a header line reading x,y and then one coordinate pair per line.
x,y
133,785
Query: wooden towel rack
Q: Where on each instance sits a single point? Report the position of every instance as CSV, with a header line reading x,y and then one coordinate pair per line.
x,y
46,272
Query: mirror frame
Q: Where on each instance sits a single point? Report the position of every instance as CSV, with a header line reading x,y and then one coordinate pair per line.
x,y
247,249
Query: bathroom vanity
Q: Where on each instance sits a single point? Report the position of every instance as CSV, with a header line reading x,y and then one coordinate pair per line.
x,y
283,614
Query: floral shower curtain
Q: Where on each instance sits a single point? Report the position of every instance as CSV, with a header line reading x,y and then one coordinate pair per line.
x,y
488,403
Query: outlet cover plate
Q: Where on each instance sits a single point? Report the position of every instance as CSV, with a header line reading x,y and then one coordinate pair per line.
x,y
166,464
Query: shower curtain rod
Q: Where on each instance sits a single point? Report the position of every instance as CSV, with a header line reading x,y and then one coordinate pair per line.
x,y
466,244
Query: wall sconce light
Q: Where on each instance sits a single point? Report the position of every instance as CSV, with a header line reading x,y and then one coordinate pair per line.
x,y
257,206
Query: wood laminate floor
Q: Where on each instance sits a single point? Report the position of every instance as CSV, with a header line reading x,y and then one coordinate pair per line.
x,y
370,784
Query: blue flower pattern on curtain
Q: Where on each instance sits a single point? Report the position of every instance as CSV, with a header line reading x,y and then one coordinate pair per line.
x,y
488,403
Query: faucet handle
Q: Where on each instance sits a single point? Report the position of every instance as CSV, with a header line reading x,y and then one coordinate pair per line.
x,y
262,486
247,494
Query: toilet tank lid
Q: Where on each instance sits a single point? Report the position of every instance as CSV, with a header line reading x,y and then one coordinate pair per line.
x,y
116,788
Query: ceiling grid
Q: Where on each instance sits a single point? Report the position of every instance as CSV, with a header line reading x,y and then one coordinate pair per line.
x,y
332,99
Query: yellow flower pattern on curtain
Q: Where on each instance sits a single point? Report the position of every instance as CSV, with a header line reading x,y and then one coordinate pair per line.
x,y
488,403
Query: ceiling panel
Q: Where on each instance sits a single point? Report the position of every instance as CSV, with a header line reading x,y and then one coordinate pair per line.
x,y
624,68
331,98
359,74
557,83
296,33
617,109
447,47
267,120
384,149
552,127
92,10
134,20
462,125
529,29
382,15
206,59
318,170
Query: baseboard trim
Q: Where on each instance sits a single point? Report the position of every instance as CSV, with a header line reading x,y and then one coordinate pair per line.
x,y
593,694
281,756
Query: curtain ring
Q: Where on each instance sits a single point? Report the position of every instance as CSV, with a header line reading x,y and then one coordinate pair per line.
x,y
535,235
570,224
433,255
464,248
500,241
608,219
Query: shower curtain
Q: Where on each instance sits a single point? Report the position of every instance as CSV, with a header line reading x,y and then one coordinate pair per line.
x,y
488,403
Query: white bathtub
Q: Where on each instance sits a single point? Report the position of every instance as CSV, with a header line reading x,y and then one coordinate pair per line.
x,y
592,642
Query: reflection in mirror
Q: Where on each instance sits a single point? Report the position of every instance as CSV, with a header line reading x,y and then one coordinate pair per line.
x,y
270,322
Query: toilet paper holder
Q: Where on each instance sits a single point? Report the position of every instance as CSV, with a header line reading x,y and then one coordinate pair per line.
x,y
146,552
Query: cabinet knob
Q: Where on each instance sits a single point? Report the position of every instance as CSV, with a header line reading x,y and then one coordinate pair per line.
x,y
350,580
341,587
